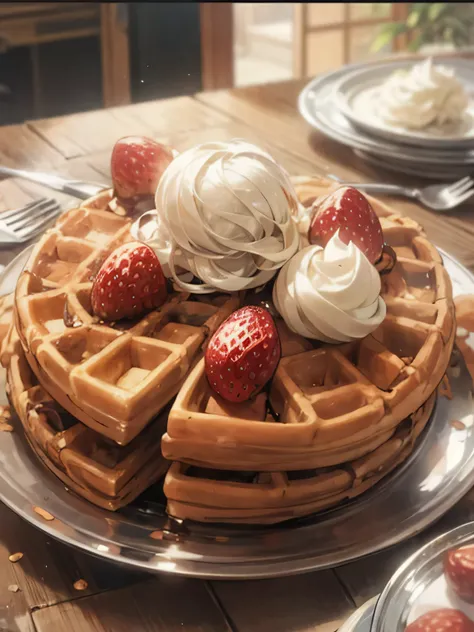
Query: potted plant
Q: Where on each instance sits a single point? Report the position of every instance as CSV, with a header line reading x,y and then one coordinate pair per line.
x,y
432,27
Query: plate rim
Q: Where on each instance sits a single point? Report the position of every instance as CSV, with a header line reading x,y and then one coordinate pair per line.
x,y
459,535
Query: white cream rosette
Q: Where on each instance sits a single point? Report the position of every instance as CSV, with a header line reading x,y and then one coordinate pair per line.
x,y
428,94
224,212
330,294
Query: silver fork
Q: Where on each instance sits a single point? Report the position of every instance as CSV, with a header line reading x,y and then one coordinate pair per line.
x,y
438,197
25,223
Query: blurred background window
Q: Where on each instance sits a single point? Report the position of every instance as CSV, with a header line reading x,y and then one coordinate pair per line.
x,y
281,41
275,41
59,58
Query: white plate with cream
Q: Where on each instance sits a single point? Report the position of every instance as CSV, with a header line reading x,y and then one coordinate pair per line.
x,y
427,103
317,104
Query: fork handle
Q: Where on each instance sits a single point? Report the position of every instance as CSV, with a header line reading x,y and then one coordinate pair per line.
x,y
387,189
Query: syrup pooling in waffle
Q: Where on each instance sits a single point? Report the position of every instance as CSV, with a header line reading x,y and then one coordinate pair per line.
x,y
114,378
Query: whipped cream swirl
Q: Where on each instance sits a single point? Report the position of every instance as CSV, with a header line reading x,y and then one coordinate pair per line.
x,y
330,294
426,95
225,214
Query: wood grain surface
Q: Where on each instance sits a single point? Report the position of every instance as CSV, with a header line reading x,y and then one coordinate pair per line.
x,y
117,600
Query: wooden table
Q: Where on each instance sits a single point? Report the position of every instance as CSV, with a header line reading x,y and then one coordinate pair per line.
x,y
117,600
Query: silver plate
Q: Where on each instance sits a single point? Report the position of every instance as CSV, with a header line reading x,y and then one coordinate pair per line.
x,y
361,619
419,579
354,84
439,472
447,174
317,104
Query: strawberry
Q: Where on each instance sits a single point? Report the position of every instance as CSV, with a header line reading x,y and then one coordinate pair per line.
x,y
137,165
243,354
459,572
129,282
349,211
442,620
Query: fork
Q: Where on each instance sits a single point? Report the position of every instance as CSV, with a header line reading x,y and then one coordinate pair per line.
x,y
24,223
438,197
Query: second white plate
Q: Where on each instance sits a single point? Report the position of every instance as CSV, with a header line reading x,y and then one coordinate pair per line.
x,y
356,96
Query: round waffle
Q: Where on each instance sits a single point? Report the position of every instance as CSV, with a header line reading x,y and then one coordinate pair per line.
x,y
113,377
334,421
333,406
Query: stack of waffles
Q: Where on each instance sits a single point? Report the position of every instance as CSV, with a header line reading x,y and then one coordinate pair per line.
x,y
338,417
95,399
92,397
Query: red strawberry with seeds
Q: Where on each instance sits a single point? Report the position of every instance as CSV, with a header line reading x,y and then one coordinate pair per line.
x,y
129,282
243,354
459,572
442,620
137,165
348,211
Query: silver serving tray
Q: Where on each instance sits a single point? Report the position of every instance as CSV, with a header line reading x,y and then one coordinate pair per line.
x,y
419,586
318,105
433,479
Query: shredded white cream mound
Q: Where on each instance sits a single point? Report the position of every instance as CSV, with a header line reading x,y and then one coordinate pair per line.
x,y
224,213
150,229
330,294
426,95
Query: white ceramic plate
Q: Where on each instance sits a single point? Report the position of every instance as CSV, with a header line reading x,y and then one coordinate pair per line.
x,y
356,94
317,104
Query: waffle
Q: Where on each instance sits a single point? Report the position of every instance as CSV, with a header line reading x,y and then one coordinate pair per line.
x,y
334,420
96,468
331,406
208,495
113,377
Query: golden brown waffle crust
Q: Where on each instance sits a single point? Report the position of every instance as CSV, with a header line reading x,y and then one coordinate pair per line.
x,y
113,380
336,403
105,474
348,414
273,497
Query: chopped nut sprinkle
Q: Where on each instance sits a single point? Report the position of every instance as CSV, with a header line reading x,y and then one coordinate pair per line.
x,y
81,584
15,557
43,513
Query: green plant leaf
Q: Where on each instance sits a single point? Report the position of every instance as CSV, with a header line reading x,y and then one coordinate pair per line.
x,y
387,34
416,14
435,9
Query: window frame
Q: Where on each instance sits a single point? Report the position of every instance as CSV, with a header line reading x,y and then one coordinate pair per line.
x,y
302,29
